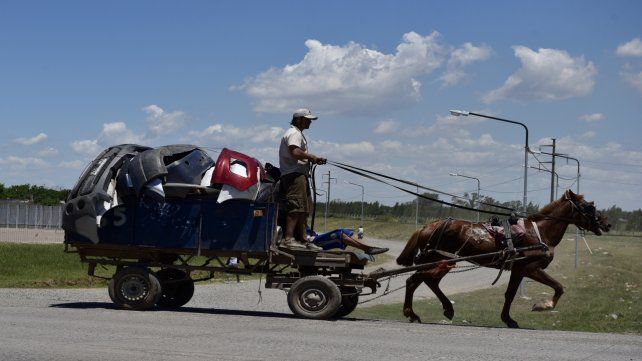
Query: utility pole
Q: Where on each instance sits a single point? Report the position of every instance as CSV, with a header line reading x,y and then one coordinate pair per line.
x,y
417,211
553,154
327,201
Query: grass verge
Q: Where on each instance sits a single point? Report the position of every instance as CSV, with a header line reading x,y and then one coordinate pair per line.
x,y
47,266
601,295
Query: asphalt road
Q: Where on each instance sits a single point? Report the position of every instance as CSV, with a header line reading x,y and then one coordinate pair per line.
x,y
226,322
217,325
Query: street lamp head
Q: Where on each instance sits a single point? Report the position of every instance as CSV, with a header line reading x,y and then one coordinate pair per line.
x,y
457,113
453,174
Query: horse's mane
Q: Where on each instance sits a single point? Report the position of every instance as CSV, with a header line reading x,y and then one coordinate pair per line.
x,y
549,208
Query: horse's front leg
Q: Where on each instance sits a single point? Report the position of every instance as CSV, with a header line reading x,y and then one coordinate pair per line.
x,y
411,285
513,284
542,277
433,284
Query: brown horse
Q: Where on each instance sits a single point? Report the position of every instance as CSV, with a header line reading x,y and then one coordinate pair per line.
x,y
436,240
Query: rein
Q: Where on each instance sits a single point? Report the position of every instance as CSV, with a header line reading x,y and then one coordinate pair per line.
x,y
374,175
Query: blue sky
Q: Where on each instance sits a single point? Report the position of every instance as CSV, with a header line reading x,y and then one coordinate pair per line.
x,y
77,77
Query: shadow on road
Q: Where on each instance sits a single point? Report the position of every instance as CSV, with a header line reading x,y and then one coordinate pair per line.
x,y
264,314
211,311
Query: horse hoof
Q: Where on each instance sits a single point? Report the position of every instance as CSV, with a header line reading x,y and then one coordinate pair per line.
x,y
512,324
538,307
449,314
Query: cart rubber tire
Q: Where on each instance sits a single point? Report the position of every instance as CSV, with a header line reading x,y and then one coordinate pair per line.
x,y
112,293
349,301
135,288
176,293
314,297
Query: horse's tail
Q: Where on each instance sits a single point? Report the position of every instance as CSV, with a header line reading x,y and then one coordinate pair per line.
x,y
421,238
407,256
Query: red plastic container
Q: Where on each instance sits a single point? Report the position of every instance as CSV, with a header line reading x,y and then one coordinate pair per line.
x,y
223,173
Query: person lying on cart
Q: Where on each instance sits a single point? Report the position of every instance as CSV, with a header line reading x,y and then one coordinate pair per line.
x,y
341,238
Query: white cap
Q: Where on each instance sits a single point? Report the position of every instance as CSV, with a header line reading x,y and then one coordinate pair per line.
x,y
303,112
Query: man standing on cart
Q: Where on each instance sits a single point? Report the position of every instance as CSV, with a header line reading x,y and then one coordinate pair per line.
x,y
295,162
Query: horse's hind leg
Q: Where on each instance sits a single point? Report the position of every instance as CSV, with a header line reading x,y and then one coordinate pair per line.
x,y
541,276
433,284
515,279
411,285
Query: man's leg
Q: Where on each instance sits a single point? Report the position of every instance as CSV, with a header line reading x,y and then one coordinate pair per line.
x,y
291,222
300,232
350,241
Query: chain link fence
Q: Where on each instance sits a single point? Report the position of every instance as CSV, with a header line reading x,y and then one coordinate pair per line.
x,y
28,215
22,222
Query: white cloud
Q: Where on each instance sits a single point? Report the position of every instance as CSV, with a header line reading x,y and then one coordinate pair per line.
x,y
33,140
86,147
228,134
547,74
386,127
632,48
352,152
460,57
161,122
391,145
47,152
588,135
75,164
442,124
118,133
348,79
634,80
14,162
485,140
592,118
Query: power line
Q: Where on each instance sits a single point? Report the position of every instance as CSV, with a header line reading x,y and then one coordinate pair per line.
x,y
508,181
614,163
530,190
611,181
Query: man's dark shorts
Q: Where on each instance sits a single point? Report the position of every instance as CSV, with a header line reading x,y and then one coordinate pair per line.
x,y
295,193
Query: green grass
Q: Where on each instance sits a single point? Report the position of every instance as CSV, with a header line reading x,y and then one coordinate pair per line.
x,y
47,266
385,229
42,265
602,295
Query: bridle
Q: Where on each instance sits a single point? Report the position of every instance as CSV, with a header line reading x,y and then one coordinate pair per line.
x,y
591,219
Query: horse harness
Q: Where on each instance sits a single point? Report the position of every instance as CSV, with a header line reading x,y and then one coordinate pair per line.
x,y
505,260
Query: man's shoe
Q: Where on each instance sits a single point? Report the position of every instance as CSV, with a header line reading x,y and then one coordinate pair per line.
x,y
291,243
313,247
377,250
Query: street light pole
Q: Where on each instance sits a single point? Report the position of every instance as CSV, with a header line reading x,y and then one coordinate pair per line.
x,y
577,231
526,150
478,188
362,194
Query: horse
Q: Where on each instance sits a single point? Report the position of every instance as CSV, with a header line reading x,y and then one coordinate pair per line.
x,y
445,239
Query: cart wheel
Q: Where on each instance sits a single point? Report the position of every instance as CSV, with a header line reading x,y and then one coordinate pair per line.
x,y
314,297
176,288
134,288
349,301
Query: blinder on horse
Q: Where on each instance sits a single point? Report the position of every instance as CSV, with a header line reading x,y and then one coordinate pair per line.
x,y
594,220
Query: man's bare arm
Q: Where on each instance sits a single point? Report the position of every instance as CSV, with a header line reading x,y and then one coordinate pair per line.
x,y
299,154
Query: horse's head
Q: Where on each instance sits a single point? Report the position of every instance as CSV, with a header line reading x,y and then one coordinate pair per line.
x,y
585,215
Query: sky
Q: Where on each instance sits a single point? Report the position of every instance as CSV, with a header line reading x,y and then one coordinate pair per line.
x,y
77,77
